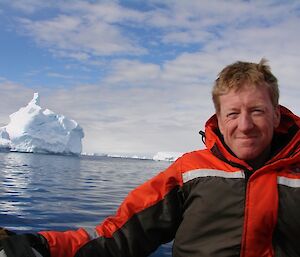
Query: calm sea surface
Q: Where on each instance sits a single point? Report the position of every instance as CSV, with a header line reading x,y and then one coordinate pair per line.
x,y
42,192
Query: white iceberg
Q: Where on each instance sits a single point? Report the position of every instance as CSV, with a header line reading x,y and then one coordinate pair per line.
x,y
167,156
37,130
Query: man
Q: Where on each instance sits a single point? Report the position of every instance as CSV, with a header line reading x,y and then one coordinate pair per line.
x,y
238,197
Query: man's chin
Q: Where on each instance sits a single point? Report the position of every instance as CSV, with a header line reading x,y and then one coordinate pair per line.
x,y
248,155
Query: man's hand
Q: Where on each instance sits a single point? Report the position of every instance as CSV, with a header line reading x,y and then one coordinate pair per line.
x,y
4,233
25,245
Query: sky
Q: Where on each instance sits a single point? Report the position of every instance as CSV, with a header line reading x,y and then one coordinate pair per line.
x,y
137,75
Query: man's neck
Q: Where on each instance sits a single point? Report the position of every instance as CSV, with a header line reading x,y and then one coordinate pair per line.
x,y
260,160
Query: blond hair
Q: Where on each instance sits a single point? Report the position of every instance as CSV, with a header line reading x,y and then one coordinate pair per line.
x,y
235,76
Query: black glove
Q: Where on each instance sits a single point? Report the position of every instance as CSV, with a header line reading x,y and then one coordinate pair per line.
x,y
25,245
4,233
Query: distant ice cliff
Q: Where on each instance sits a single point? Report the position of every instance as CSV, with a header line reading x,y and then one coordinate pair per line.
x,y
166,156
160,156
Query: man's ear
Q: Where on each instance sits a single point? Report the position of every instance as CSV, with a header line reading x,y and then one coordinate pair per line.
x,y
277,116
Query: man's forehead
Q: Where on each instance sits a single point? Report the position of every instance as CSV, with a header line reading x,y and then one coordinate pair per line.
x,y
249,97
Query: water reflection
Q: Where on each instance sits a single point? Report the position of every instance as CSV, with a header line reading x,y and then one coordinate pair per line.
x,y
15,179
31,186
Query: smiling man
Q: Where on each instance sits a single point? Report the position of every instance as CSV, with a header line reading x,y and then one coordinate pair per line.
x,y
240,196
247,111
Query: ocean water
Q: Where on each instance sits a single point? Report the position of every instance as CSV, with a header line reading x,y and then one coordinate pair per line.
x,y
52,192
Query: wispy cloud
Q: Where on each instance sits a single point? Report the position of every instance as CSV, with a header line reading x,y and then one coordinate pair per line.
x,y
26,6
130,72
82,29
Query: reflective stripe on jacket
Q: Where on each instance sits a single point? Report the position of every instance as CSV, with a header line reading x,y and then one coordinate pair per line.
x,y
209,202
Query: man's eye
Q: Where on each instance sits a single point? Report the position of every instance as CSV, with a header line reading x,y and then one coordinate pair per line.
x,y
232,115
257,111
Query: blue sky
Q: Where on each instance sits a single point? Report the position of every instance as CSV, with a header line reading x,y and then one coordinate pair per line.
x,y
137,75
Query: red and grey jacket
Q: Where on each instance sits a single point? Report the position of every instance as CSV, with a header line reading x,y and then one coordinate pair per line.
x,y
209,202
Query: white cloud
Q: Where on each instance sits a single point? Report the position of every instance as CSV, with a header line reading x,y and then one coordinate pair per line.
x,y
187,37
107,11
212,21
79,38
27,6
82,30
129,72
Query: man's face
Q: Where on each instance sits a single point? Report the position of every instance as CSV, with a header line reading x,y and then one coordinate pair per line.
x,y
247,120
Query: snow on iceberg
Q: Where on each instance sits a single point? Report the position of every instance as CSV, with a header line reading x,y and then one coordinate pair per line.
x,y
166,156
37,130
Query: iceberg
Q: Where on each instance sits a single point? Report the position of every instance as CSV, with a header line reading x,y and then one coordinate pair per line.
x,y
167,156
37,130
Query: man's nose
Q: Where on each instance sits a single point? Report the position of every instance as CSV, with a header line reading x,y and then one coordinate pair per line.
x,y
245,122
